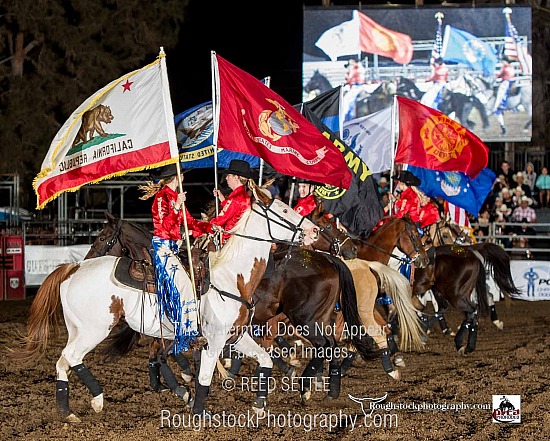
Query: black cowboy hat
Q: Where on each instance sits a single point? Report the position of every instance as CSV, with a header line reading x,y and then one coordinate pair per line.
x,y
407,177
164,172
240,168
306,181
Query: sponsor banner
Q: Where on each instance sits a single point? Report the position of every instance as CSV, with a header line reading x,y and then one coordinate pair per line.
x,y
532,277
41,260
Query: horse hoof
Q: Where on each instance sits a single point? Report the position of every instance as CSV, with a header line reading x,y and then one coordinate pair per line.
x,y
72,418
306,396
97,403
399,361
259,406
462,350
499,324
183,393
187,377
396,374
294,362
449,332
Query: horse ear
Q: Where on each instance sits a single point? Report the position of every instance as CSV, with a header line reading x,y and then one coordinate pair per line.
x,y
259,193
109,217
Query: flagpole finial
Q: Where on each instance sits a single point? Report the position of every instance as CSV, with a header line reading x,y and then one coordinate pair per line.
x,y
507,11
439,16
162,51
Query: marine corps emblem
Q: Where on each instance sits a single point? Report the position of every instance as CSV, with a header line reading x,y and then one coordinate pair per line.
x,y
443,137
275,124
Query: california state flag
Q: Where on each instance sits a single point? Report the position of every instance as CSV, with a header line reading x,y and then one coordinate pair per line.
x,y
126,126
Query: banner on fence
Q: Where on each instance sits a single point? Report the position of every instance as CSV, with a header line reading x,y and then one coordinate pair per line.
x,y
41,260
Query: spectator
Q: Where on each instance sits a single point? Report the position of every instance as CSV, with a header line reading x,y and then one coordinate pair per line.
x,y
493,210
502,229
519,177
355,74
522,251
483,223
524,213
543,185
507,197
530,177
383,186
506,170
517,194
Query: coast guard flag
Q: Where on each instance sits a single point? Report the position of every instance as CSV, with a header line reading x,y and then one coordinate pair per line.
x,y
195,134
253,119
370,137
456,187
462,47
363,34
126,126
430,139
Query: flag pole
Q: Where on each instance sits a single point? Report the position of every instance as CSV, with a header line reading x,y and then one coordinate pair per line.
x,y
394,136
172,135
215,118
267,82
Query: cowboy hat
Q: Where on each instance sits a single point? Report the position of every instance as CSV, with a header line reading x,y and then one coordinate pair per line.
x,y
164,172
306,181
240,168
503,209
526,199
408,178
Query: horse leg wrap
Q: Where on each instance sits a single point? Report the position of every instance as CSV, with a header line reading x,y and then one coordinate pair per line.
x,y
386,361
348,361
197,363
154,376
169,376
315,365
236,364
392,345
183,363
201,393
280,363
463,330
472,338
88,379
282,342
493,312
62,398
264,374
335,378
442,323
424,322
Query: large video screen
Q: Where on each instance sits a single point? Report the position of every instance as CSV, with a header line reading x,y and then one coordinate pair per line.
x,y
473,64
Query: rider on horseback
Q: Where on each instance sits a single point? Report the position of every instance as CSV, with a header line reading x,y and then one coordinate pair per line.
x,y
432,97
506,75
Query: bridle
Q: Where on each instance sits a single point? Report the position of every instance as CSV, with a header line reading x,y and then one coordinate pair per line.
x,y
412,238
264,211
111,242
336,244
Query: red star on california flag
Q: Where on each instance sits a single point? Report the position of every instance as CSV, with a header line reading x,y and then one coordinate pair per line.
x,y
127,85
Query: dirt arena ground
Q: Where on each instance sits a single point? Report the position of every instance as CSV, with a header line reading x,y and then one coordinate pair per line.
x,y
511,362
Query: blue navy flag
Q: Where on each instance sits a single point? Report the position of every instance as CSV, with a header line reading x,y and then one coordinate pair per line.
x,y
462,47
194,131
456,187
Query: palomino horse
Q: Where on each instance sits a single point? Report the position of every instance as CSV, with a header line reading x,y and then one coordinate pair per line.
x,y
93,302
392,236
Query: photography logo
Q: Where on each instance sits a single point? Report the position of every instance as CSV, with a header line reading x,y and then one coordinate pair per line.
x,y
507,409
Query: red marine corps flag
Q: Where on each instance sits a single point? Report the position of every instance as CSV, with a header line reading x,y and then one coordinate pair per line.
x,y
253,119
126,126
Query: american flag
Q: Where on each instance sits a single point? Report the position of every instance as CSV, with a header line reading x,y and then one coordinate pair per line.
x,y
438,44
514,48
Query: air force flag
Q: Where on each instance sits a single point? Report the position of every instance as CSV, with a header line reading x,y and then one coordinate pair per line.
x,y
462,47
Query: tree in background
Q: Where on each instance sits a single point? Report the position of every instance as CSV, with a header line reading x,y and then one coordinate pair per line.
x,y
54,54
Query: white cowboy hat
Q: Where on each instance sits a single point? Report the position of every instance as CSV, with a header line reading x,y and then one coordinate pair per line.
x,y
503,209
526,199
518,188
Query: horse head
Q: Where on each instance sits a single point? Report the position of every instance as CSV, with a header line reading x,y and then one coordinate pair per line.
x,y
332,238
409,241
281,219
318,82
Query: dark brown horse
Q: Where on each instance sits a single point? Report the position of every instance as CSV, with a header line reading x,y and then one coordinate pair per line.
x,y
457,277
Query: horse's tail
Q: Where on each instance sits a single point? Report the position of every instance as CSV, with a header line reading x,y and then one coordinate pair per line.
x,y
498,262
44,315
398,289
481,290
365,344
120,343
